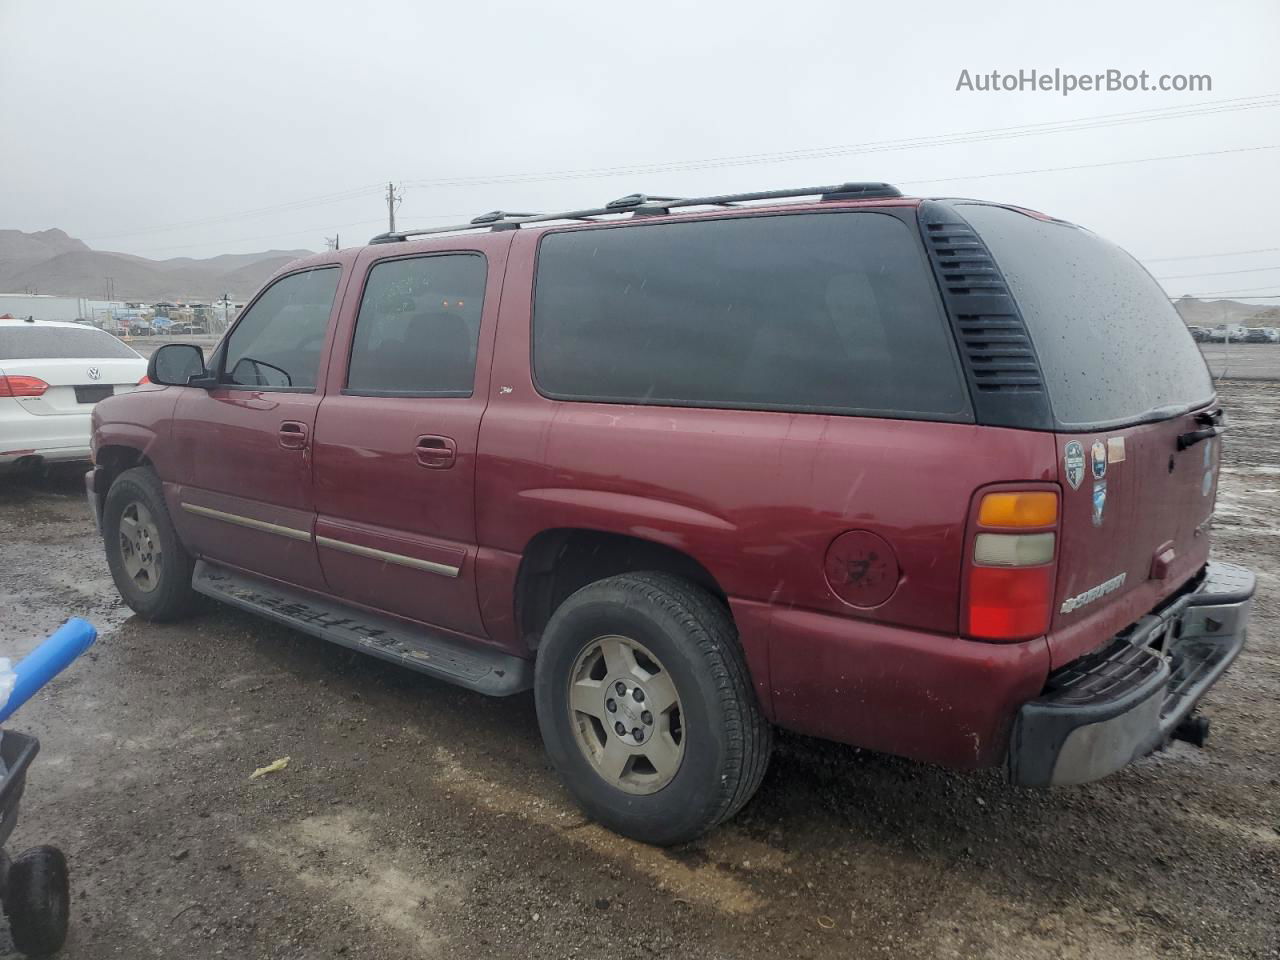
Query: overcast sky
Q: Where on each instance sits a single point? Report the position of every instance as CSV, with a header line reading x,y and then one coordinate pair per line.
x,y
164,128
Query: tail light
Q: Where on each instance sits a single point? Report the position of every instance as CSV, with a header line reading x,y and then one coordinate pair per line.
x,y
1012,565
13,386
145,379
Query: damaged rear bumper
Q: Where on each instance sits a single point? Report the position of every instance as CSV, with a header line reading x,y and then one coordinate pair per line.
x,y
1111,707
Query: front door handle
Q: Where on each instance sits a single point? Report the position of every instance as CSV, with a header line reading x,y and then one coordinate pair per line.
x,y
436,453
293,435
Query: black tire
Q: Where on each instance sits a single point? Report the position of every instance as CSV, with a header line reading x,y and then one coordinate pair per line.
x,y
38,901
725,739
171,597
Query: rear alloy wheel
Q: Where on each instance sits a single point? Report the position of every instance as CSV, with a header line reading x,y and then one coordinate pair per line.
x,y
626,714
151,568
647,709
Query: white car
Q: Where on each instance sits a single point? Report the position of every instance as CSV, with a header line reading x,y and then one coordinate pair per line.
x,y
51,375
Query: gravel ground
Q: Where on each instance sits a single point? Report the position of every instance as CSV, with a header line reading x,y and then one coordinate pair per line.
x,y
417,820
1243,361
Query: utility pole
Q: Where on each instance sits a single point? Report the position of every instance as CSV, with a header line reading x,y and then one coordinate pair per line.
x,y
226,310
110,291
393,201
1226,341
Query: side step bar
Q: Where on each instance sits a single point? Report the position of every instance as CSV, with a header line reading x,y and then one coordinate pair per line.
x,y
477,668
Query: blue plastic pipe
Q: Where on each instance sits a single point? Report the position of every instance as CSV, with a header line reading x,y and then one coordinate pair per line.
x,y
48,660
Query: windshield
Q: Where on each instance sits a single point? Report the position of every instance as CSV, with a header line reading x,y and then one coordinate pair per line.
x,y
1112,348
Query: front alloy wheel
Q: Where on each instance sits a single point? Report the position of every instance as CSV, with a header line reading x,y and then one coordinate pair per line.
x,y
151,568
140,550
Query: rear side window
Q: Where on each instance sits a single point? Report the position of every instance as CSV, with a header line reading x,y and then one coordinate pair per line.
x,y
828,312
1111,346
418,326
34,342
277,343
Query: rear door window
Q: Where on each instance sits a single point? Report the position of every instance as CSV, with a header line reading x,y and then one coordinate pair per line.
x,y
418,326
34,342
832,312
277,343
1112,348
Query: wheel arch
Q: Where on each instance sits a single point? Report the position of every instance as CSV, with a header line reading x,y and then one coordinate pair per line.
x,y
559,561
110,461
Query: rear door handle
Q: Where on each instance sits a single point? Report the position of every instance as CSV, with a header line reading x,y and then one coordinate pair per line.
x,y
293,435
436,453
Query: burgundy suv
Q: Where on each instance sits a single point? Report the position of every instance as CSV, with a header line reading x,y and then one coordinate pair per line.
x,y
932,477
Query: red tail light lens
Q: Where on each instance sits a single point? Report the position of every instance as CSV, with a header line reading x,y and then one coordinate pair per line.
x,y
145,379
1010,603
14,386
1012,565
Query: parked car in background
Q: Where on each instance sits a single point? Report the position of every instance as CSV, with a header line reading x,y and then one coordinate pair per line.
x,y
1199,334
863,466
1260,335
51,376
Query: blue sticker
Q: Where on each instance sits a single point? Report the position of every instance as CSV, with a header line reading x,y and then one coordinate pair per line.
x,y
1099,501
1073,463
1099,457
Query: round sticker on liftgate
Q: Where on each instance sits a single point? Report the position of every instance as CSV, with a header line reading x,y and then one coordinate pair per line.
x,y
1073,463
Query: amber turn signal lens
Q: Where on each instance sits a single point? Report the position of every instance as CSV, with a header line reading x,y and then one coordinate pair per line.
x,y
1028,509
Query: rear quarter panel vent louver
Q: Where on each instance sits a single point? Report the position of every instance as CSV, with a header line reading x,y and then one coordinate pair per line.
x,y
1000,360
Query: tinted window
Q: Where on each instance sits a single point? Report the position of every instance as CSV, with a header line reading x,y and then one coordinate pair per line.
x,y
1111,346
33,342
278,341
832,312
418,326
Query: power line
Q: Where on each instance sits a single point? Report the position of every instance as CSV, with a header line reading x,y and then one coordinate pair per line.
x,y
257,212
1093,166
1239,291
1206,256
1207,108
972,136
1220,273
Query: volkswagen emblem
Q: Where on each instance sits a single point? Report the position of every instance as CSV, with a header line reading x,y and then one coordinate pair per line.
x,y
95,373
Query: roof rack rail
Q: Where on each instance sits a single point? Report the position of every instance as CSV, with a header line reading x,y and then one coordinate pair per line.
x,y
642,205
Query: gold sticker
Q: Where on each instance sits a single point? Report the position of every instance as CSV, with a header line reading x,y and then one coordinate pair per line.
x,y
1115,449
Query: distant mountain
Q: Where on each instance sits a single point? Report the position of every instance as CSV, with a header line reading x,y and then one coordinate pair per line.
x,y
16,246
1210,313
52,262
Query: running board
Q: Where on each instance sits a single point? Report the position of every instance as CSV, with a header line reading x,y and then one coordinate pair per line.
x,y
473,666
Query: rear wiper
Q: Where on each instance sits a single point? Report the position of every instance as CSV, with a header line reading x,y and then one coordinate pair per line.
x,y
1213,422
1167,412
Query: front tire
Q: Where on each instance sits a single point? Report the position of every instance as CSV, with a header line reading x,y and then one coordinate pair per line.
x,y
647,709
151,568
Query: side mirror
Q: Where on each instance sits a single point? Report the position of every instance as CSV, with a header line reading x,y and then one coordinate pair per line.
x,y
176,364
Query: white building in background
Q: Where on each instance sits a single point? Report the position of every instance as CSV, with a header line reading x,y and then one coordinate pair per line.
x,y
40,306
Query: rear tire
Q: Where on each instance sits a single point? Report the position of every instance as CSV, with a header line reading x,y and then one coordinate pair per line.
x,y
650,640
151,568
38,901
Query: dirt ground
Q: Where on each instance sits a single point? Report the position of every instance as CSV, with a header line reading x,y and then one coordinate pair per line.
x,y
418,820
1243,361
